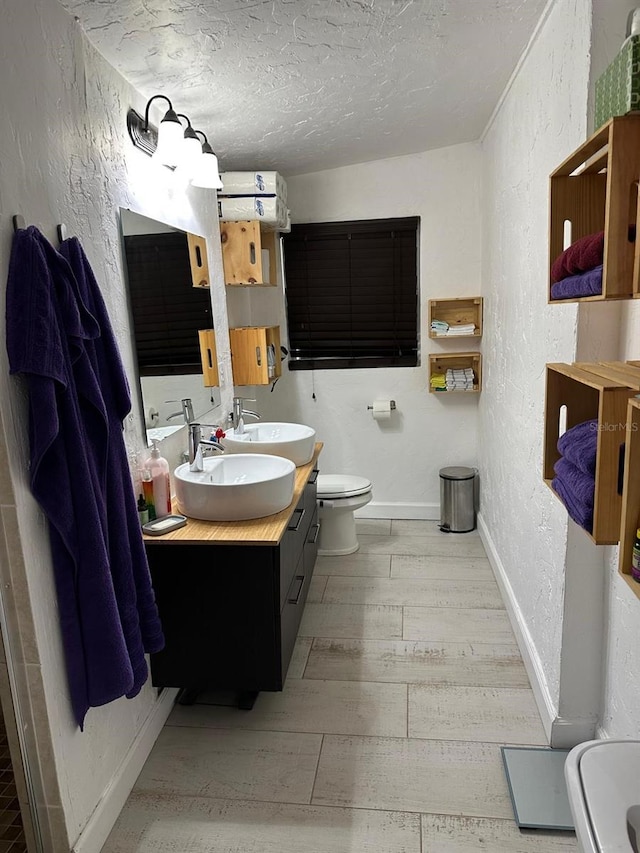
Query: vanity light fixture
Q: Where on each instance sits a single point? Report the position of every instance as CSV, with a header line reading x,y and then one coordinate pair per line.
x,y
175,146
207,174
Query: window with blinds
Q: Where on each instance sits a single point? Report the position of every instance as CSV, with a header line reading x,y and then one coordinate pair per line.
x,y
352,294
167,311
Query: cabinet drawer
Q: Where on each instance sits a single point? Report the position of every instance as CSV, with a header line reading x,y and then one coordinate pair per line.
x,y
292,613
292,545
310,494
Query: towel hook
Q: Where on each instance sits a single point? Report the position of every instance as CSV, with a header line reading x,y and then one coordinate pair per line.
x,y
18,222
62,232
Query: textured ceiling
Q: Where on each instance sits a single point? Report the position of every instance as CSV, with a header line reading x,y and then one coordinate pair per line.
x,y
304,85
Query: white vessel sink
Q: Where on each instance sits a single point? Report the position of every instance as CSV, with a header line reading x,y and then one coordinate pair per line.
x,y
291,441
235,487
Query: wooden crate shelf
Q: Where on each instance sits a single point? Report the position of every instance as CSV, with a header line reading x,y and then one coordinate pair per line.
x,y
249,354
441,362
595,189
630,494
248,254
600,392
456,311
209,358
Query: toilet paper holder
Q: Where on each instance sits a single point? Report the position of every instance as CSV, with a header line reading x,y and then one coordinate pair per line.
x,y
391,402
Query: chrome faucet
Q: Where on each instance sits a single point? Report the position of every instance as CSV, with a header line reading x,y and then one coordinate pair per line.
x,y
197,443
237,416
186,411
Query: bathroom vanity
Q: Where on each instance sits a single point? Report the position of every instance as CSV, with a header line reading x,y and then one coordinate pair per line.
x,y
231,596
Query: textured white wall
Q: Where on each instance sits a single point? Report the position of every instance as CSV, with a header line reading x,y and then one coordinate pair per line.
x,y
65,157
540,121
401,456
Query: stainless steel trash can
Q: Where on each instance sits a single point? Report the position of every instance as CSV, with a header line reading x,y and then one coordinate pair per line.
x,y
458,499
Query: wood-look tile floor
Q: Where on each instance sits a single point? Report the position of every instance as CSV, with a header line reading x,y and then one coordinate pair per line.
x,y
404,682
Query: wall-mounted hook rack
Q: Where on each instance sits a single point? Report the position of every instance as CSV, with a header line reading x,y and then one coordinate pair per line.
x,y
18,222
62,232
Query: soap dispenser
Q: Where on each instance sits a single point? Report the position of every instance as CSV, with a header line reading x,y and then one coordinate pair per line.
x,y
157,469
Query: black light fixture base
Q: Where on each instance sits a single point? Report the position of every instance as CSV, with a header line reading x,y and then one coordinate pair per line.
x,y
144,137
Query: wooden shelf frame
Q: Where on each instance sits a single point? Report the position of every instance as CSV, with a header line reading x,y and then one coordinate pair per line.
x,y
441,362
209,358
600,392
630,520
249,358
243,243
456,311
596,189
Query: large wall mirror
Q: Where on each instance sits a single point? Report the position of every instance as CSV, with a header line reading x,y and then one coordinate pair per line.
x,y
169,302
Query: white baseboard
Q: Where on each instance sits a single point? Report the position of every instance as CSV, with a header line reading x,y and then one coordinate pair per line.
x,y
546,706
399,510
100,824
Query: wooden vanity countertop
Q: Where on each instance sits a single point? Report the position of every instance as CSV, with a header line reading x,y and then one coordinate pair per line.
x,y
255,531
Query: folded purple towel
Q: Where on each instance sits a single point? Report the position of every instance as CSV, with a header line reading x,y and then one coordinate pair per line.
x,y
577,492
586,284
579,445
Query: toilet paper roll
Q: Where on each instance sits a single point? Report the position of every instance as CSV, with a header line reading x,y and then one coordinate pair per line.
x,y
381,410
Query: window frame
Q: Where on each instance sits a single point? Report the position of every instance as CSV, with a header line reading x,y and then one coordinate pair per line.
x,y
397,346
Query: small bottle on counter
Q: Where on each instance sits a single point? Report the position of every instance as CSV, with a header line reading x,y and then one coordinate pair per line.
x,y
147,490
143,510
635,558
158,468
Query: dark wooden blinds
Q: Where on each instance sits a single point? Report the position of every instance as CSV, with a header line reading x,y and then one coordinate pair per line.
x,y
167,310
352,294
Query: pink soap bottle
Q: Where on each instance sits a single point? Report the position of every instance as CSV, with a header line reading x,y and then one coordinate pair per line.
x,y
158,468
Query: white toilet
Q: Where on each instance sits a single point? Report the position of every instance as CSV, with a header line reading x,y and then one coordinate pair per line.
x,y
339,495
603,785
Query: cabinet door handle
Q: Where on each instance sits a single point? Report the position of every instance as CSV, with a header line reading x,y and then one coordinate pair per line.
x,y
315,535
258,357
314,476
295,527
296,598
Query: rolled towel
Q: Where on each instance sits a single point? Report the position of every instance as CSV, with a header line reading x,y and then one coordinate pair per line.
x,y
579,445
577,491
585,254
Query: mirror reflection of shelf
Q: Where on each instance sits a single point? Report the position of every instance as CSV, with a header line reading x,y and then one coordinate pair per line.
x,y
209,358
439,363
455,312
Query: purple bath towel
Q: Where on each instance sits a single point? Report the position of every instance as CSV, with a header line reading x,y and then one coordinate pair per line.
x,y
52,338
579,445
577,491
128,560
585,284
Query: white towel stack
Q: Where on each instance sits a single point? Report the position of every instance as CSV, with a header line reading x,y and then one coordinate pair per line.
x,y
463,329
255,195
459,380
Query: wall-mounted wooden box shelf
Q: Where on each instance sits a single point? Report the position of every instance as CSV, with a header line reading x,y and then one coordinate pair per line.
x,y
588,394
441,362
250,358
248,254
595,189
209,357
198,260
458,311
630,494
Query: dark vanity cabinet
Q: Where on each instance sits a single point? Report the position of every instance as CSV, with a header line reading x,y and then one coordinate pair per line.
x,y
231,610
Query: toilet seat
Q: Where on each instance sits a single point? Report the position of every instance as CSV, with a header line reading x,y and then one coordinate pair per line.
x,y
602,783
336,486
